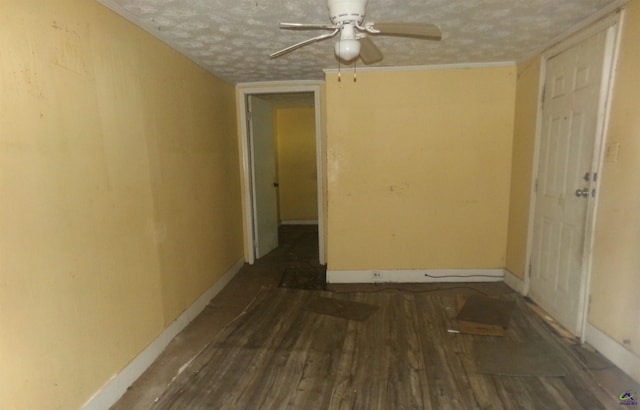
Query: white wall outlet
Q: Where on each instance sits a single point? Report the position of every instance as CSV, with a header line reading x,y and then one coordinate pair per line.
x,y
376,275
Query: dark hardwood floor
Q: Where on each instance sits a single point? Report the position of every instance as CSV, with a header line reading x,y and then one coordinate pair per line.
x,y
279,354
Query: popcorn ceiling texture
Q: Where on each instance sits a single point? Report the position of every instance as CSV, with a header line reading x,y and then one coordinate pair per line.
x,y
232,39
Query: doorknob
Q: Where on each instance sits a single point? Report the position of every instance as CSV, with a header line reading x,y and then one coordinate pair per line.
x,y
275,184
582,193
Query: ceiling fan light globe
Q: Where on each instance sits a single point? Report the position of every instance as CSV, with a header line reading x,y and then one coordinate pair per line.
x,y
347,50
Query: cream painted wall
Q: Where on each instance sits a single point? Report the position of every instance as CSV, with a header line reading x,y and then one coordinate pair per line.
x,y
297,172
615,300
524,133
120,196
418,168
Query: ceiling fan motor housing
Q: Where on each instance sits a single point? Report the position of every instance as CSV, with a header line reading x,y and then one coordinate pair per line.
x,y
345,11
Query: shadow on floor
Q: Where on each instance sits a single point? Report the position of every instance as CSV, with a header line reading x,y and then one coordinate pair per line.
x,y
297,252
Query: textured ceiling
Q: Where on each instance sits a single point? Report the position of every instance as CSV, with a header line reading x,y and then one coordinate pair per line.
x,y
233,38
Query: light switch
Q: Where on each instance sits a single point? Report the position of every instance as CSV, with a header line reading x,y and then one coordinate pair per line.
x,y
612,151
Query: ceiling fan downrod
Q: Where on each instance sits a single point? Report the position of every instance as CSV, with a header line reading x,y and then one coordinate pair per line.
x,y
347,11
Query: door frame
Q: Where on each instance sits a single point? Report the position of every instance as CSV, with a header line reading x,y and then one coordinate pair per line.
x,y
243,90
613,24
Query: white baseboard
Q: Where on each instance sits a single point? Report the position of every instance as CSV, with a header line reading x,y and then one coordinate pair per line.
x,y
111,392
514,282
624,359
415,276
301,222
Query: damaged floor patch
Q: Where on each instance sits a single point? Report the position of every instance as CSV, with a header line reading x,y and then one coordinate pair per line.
x,y
344,309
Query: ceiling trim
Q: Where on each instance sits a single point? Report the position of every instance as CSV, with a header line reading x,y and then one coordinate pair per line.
x,y
122,12
421,67
603,13
154,32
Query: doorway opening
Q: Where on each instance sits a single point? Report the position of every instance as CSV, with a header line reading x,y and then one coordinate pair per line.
x,y
281,151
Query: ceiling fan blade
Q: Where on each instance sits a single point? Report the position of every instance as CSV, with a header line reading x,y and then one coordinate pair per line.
x,y
416,30
303,43
369,52
302,26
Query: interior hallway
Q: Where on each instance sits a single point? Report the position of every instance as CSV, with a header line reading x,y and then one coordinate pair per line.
x,y
595,380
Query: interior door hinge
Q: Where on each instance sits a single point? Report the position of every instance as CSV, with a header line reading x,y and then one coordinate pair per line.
x,y
535,186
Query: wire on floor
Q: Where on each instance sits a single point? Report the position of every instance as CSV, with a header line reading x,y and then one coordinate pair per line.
x,y
386,288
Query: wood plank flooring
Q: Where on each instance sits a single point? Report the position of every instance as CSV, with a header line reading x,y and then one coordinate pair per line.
x,y
277,355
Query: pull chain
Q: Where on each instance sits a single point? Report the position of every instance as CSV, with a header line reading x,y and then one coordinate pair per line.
x,y
339,77
355,64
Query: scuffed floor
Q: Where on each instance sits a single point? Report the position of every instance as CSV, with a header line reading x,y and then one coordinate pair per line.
x,y
299,246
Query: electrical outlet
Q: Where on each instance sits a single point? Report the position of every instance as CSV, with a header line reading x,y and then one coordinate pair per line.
x,y
376,275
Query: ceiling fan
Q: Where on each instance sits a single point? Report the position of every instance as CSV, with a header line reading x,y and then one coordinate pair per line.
x,y
347,17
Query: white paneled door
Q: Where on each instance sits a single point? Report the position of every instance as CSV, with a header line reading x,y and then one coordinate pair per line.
x,y
265,198
566,178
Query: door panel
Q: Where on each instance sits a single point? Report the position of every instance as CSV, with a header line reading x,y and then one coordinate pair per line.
x,y
265,200
570,122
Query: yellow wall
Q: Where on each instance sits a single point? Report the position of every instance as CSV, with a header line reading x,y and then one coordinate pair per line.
x,y
120,196
418,168
615,303
297,172
524,132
